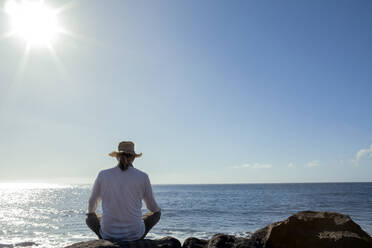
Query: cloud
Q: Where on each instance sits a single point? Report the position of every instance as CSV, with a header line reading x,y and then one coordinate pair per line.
x,y
313,163
291,165
361,154
254,166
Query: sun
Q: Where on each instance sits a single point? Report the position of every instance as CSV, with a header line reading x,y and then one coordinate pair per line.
x,y
33,21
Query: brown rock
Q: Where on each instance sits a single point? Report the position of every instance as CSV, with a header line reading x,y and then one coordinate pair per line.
x,y
310,229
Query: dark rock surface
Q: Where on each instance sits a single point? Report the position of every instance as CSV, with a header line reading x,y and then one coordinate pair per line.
x,y
195,243
167,242
306,229
310,229
220,241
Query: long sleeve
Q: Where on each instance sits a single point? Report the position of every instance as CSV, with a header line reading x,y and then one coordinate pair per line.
x,y
95,197
149,197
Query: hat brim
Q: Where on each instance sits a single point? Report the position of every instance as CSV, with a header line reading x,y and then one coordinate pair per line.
x,y
116,153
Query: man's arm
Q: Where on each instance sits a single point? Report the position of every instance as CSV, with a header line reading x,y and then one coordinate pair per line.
x,y
95,197
149,199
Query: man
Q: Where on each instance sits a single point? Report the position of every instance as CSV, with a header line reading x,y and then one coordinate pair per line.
x,y
121,190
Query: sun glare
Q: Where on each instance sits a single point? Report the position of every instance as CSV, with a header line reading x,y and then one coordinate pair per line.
x,y
33,21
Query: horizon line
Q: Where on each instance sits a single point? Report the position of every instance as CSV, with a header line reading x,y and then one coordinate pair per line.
x,y
181,184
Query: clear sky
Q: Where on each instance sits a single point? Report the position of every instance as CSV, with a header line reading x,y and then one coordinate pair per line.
x,y
210,91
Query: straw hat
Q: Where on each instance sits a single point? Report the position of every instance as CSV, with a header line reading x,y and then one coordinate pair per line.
x,y
126,147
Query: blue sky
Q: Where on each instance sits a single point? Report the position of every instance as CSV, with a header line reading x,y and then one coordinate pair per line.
x,y
210,92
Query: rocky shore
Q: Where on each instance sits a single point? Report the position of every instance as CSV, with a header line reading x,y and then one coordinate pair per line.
x,y
306,229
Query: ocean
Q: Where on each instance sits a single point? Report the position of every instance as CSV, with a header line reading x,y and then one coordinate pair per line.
x,y
54,215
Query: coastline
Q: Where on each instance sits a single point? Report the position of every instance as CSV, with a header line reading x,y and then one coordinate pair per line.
x,y
304,229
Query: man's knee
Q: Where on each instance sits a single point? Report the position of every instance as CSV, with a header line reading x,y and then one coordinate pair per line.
x,y
156,217
151,219
91,224
92,221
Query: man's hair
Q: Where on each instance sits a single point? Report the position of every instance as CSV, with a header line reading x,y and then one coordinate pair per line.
x,y
125,160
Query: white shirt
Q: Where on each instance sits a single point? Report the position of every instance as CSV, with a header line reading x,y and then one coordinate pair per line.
x,y
122,193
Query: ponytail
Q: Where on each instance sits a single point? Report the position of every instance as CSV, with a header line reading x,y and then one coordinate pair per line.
x,y
125,161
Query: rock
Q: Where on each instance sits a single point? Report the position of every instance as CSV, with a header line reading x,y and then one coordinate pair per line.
x,y
310,229
167,242
93,244
219,241
306,229
195,243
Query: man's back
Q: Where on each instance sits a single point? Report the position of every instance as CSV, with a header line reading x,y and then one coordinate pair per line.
x,y
121,193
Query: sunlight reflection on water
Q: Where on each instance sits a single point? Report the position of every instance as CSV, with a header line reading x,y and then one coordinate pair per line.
x,y
23,186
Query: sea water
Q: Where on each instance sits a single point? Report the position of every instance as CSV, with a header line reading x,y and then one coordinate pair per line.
x,y
54,215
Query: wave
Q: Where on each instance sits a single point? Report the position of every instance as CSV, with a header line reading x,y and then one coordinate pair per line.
x,y
21,244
